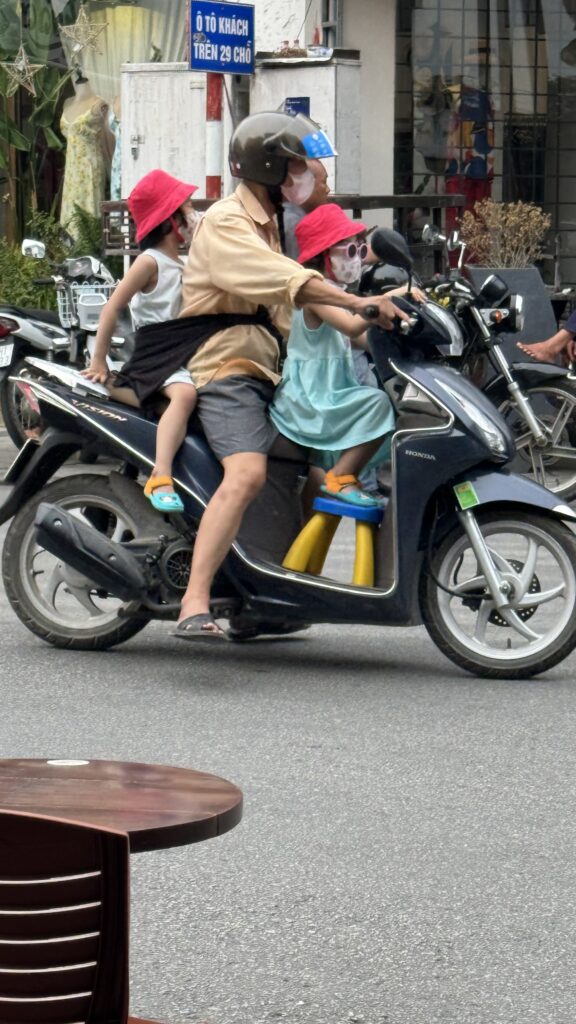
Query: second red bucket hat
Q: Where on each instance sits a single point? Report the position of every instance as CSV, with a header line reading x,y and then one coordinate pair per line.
x,y
325,226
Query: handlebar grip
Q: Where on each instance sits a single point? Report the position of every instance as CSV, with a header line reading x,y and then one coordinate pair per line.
x,y
371,312
43,281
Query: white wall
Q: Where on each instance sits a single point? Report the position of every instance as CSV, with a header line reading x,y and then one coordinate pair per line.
x,y
370,26
276,20
334,93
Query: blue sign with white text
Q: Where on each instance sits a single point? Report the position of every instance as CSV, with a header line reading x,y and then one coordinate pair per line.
x,y
297,105
222,37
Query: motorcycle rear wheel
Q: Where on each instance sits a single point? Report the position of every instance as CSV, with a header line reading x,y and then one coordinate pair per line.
x,y
554,465
55,602
536,552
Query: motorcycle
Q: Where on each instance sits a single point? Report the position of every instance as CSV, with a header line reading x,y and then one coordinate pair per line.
x,y
537,399
485,559
83,284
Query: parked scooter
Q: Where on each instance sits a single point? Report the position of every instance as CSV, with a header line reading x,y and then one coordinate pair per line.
x,y
485,559
538,400
83,284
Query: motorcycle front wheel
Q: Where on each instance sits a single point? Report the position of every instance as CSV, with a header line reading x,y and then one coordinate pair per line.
x,y
54,601
536,557
554,464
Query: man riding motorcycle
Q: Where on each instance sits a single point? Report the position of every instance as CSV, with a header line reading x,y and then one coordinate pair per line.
x,y
236,266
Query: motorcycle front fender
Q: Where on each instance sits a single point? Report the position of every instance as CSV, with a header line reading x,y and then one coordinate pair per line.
x,y
492,487
527,375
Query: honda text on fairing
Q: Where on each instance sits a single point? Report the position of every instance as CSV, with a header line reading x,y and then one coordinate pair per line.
x,y
485,559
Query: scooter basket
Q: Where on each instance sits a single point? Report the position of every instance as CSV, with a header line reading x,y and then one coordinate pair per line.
x,y
81,304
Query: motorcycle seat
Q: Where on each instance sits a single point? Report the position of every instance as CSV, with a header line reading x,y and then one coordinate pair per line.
x,y
45,316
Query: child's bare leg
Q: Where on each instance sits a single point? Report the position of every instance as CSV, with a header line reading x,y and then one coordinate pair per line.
x,y
172,427
353,460
311,489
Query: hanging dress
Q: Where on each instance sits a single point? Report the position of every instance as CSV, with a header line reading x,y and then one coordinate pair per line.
x,y
116,168
85,171
319,403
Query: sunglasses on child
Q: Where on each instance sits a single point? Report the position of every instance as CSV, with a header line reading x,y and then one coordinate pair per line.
x,y
352,249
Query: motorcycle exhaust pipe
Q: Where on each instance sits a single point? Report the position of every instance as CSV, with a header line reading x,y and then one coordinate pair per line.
x,y
89,552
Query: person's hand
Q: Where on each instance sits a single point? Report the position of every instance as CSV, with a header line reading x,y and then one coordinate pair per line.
x,y
571,350
418,295
387,311
97,371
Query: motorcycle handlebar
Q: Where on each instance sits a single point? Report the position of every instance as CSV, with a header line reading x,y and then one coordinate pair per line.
x,y
371,312
43,281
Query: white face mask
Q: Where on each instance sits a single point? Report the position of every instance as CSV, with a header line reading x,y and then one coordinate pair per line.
x,y
188,229
346,269
300,188
185,234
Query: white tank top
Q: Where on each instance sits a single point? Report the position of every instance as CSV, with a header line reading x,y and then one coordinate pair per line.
x,y
165,300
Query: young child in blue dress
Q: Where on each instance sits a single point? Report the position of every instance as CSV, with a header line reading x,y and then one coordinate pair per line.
x,y
319,403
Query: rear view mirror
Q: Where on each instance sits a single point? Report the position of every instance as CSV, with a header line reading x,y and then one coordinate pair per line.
x,y
391,247
430,234
31,247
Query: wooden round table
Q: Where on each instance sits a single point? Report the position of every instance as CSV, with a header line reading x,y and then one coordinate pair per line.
x,y
157,806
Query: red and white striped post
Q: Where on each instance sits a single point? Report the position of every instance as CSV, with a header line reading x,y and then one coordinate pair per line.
x,y
214,134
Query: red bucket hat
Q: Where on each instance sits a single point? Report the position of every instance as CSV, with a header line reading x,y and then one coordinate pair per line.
x,y
325,226
155,198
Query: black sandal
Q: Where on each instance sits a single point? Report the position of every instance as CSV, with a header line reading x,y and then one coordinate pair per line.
x,y
199,627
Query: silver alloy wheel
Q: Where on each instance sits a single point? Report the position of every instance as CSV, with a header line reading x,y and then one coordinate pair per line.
x,y
543,584
553,466
57,603
60,592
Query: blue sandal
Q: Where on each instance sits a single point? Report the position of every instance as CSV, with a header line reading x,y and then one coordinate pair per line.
x,y
166,501
334,487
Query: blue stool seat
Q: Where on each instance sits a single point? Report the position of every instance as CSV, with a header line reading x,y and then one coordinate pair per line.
x,y
335,507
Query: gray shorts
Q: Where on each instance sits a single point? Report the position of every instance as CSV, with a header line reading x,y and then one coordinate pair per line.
x,y
233,412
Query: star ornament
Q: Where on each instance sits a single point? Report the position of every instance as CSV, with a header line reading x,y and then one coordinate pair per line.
x,y
83,33
20,72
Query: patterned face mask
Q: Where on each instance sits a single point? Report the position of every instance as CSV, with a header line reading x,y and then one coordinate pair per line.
x,y
346,269
300,188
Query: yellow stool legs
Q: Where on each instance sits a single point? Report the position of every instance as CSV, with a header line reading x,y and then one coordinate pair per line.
x,y
309,550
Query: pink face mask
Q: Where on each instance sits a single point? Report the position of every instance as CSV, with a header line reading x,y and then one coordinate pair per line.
x,y
299,187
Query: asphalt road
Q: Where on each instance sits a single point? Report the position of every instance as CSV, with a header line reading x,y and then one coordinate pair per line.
x,y
407,850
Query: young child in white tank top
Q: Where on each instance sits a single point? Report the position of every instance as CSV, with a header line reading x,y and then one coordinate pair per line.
x,y
161,209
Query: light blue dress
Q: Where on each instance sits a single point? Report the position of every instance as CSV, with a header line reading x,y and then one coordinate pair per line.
x,y
319,403
116,168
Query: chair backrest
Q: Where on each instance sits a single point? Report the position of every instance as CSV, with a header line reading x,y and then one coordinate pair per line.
x,y
64,898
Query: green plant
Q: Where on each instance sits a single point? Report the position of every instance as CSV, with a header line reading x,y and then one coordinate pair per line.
x,y
36,134
87,230
505,234
17,273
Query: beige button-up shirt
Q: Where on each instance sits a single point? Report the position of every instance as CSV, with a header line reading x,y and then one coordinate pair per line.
x,y
234,266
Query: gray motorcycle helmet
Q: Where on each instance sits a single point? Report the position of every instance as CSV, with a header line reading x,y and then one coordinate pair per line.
x,y
262,145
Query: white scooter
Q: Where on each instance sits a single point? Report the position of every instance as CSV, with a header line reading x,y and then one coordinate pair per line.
x,y
83,285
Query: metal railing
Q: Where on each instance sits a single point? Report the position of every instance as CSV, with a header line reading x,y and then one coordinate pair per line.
x,y
118,228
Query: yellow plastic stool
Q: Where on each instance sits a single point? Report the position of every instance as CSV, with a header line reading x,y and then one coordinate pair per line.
x,y
309,550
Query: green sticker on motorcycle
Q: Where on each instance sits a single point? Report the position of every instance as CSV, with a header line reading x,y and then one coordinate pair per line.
x,y
466,495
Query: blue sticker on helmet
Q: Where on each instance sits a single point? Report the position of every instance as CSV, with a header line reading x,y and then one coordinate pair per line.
x,y
317,144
